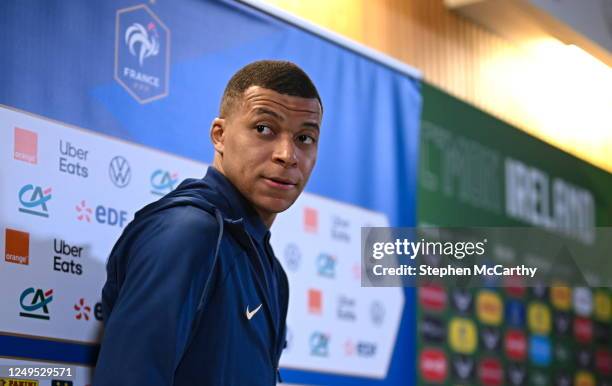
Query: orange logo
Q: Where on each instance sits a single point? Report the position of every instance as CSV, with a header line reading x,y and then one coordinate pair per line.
x,y
489,308
538,317
311,220
26,146
561,297
315,301
462,335
17,249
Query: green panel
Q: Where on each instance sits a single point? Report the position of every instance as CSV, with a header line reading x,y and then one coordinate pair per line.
x,y
468,160
463,155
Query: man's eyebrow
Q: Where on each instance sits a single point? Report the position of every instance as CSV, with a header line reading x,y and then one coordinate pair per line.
x,y
311,125
264,111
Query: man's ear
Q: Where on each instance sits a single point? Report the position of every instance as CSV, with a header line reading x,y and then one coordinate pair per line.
x,y
217,134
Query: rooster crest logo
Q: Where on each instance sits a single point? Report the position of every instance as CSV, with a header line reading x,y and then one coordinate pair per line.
x,y
137,35
142,53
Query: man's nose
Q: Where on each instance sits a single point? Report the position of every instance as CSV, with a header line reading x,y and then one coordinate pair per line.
x,y
285,152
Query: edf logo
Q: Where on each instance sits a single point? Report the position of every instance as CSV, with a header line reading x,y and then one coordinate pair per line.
x,y
110,216
102,214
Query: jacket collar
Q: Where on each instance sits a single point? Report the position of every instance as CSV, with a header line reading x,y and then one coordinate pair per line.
x,y
235,205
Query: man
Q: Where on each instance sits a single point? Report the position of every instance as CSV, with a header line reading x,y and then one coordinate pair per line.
x,y
194,294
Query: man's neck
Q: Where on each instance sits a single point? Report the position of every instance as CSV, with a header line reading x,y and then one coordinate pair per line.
x,y
266,218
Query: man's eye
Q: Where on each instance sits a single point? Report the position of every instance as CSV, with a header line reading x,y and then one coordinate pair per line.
x,y
306,139
263,129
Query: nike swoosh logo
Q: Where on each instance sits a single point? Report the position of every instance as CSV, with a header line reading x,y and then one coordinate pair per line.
x,y
249,315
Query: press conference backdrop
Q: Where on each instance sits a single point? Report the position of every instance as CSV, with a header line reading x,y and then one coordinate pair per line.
x,y
478,171
106,106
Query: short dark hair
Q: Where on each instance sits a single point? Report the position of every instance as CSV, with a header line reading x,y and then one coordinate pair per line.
x,y
280,76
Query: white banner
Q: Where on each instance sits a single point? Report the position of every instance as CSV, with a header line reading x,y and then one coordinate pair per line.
x,y
334,325
67,193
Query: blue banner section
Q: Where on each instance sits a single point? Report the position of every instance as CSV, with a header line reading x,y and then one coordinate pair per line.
x,y
44,350
153,73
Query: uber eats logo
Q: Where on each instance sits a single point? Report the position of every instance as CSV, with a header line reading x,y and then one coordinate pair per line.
x,y
73,159
67,258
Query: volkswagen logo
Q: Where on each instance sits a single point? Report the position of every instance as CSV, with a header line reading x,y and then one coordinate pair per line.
x,y
120,172
293,256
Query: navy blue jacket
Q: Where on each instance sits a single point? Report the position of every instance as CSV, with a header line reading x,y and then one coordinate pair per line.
x,y
184,283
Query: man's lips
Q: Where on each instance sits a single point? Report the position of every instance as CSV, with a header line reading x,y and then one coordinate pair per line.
x,y
280,183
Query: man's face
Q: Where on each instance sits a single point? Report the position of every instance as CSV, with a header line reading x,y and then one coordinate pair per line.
x,y
267,147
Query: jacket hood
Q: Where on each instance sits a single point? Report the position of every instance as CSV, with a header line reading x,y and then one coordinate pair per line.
x,y
212,191
195,192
